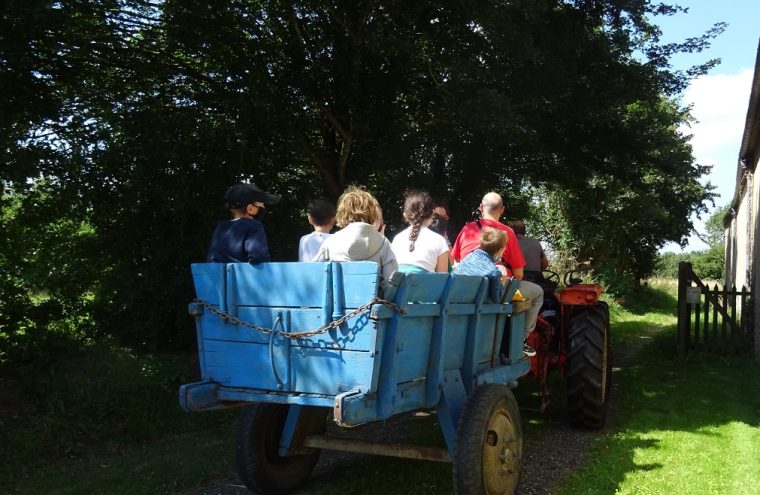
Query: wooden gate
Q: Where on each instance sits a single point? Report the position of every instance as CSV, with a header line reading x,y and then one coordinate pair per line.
x,y
712,319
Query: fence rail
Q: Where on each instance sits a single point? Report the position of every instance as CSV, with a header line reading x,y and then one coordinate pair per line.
x,y
712,319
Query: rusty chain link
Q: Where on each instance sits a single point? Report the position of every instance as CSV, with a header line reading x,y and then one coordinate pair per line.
x,y
300,335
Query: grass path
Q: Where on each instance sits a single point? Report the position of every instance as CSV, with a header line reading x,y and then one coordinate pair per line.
x,y
677,428
683,427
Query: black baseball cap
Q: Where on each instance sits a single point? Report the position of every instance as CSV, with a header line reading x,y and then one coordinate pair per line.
x,y
242,194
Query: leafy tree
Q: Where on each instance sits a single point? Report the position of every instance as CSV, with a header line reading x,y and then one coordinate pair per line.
x,y
708,263
125,121
714,230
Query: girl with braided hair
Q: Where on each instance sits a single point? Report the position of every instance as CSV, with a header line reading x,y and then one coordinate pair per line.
x,y
417,248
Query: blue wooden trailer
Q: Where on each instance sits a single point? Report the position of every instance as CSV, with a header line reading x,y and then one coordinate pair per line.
x,y
298,342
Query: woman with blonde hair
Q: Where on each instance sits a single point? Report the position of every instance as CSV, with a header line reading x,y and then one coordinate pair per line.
x,y
417,248
359,240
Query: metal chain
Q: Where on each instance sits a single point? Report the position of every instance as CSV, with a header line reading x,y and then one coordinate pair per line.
x,y
300,335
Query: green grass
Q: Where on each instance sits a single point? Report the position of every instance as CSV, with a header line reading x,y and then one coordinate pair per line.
x,y
176,463
683,427
107,421
98,415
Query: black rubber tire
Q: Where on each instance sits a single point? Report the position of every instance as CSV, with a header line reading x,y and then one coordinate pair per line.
x,y
488,449
589,370
257,440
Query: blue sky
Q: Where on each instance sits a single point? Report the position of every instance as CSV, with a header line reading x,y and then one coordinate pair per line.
x,y
719,100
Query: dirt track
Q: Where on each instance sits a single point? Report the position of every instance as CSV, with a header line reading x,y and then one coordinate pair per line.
x,y
546,461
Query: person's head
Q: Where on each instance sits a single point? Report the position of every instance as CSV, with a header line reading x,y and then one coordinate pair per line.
x,y
441,209
356,205
518,226
379,222
321,213
418,207
493,241
439,224
248,200
492,206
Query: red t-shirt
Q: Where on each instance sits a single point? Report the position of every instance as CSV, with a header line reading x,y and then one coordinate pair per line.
x,y
468,241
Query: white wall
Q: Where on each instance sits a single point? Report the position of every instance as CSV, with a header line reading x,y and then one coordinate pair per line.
x,y
741,235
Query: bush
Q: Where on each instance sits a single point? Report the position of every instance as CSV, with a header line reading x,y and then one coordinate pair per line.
x,y
94,395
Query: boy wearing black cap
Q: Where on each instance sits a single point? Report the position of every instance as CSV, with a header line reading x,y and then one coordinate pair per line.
x,y
242,239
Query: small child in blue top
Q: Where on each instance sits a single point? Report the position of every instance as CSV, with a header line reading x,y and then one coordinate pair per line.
x,y
322,218
242,239
481,261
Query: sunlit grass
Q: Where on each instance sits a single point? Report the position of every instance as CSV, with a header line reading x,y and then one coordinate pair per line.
x,y
684,427
688,427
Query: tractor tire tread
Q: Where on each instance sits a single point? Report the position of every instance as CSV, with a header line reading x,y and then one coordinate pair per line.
x,y
588,370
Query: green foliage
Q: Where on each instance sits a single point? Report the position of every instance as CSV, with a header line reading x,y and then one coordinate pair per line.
x,y
89,397
667,264
707,264
715,232
125,122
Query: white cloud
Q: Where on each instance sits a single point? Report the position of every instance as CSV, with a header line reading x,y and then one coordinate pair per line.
x,y
719,104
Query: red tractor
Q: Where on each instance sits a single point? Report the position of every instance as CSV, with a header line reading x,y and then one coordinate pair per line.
x,y
573,335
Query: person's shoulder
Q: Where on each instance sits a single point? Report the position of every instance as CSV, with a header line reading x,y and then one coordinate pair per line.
x,y
435,238
248,223
401,236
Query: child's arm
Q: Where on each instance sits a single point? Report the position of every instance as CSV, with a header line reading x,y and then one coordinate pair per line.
x,y
503,271
256,245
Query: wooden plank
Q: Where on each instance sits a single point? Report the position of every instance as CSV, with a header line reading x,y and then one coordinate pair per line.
x,y
684,269
360,282
744,324
725,319
706,327
300,284
358,333
414,337
438,343
712,297
426,287
468,363
309,370
714,304
688,339
467,287
697,330
209,282
732,309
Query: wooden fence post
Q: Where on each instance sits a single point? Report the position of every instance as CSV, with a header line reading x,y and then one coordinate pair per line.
x,y
684,271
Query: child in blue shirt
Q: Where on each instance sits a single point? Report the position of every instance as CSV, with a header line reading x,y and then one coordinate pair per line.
x,y
242,239
481,261
322,218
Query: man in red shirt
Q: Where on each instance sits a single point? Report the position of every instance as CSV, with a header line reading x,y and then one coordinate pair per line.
x,y
468,240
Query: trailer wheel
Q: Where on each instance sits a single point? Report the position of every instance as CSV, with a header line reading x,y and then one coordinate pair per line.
x,y
257,442
488,450
588,367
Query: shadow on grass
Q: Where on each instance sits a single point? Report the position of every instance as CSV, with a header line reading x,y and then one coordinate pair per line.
x,y
368,475
660,396
650,299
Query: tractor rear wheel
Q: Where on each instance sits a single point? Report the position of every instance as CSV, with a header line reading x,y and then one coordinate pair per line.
x,y
488,450
260,465
588,366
